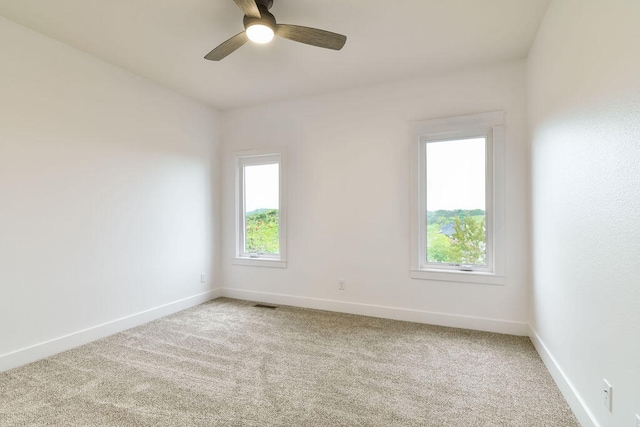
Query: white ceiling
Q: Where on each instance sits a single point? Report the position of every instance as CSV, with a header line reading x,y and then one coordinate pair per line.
x,y
166,40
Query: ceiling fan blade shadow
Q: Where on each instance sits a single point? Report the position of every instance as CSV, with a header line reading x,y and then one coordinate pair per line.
x,y
249,8
227,47
312,36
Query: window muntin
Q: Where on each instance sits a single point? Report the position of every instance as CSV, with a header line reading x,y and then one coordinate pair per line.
x,y
456,203
260,215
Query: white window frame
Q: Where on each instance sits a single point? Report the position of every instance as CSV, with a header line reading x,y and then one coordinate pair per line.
x,y
255,158
486,125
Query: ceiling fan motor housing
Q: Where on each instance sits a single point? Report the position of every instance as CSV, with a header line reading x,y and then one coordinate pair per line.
x,y
266,18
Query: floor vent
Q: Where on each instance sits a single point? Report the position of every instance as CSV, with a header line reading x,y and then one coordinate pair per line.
x,y
272,307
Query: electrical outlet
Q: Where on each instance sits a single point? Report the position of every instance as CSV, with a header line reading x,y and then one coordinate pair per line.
x,y
606,395
203,278
342,284
637,420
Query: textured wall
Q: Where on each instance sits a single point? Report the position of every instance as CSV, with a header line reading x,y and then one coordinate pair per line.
x,y
105,192
584,91
349,196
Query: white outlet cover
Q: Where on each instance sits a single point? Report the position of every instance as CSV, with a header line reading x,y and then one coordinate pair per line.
x,y
637,420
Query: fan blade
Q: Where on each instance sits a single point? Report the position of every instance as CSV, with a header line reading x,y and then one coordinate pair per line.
x,y
311,36
227,47
249,8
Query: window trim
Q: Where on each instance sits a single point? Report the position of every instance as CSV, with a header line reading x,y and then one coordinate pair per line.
x,y
491,126
254,158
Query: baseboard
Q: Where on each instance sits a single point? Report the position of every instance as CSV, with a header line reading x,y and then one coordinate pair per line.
x,y
67,342
570,394
418,316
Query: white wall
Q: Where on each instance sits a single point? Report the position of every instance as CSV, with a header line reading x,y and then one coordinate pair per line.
x,y
108,194
584,92
349,200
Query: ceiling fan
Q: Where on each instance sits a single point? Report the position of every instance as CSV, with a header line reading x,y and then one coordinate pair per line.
x,y
260,27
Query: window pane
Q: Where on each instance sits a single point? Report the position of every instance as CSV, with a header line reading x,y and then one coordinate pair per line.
x,y
456,199
261,208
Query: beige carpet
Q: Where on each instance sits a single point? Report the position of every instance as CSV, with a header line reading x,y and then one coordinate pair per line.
x,y
227,363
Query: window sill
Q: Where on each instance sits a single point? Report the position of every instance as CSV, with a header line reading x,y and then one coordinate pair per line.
x,y
478,277
259,262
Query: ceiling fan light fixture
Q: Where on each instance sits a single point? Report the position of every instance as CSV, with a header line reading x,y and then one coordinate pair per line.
x,y
260,26
260,33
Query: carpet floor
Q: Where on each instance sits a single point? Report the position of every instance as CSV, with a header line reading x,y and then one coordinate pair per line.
x,y
227,363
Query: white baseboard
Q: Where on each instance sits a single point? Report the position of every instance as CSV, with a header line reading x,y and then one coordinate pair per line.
x,y
67,342
418,316
577,405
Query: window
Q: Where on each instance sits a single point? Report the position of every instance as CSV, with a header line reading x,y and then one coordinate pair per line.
x,y
260,227
456,197
458,214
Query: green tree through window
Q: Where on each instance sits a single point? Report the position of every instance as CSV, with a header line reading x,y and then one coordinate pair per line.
x,y
262,231
456,236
